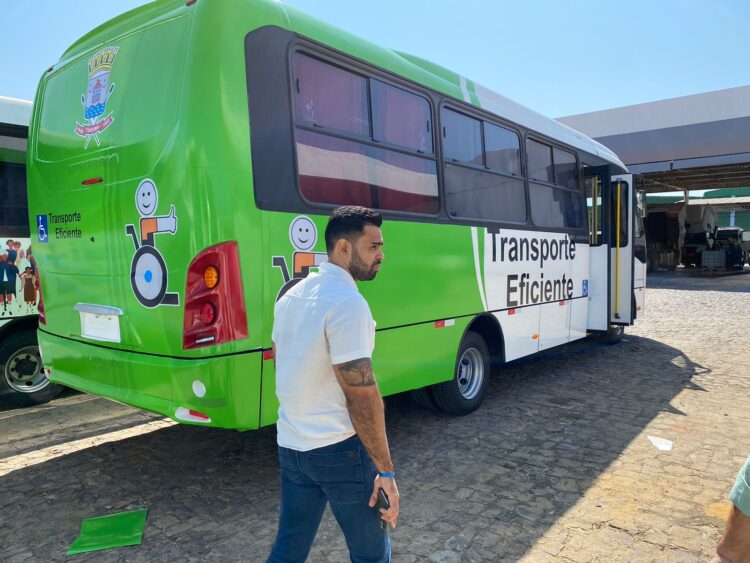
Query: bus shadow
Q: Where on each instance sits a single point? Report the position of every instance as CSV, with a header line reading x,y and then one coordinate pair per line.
x,y
486,486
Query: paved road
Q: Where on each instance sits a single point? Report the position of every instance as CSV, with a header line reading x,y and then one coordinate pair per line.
x,y
557,465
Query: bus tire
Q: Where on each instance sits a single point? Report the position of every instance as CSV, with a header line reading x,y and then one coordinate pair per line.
x,y
423,398
465,391
22,379
615,333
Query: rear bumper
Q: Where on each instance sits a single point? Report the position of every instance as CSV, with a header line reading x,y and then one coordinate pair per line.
x,y
225,389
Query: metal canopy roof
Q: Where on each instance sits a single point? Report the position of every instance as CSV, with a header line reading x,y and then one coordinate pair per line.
x,y
687,143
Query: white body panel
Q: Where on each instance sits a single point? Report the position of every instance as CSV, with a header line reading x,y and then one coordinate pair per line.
x,y
533,282
520,327
598,288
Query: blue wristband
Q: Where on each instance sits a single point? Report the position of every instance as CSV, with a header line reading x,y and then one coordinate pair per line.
x,y
387,475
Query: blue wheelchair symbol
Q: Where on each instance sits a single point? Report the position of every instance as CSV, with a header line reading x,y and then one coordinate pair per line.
x,y
41,228
585,288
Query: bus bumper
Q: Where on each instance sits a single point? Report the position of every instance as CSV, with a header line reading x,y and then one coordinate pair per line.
x,y
220,391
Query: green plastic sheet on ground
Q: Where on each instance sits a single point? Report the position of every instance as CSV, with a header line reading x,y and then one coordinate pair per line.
x,y
114,530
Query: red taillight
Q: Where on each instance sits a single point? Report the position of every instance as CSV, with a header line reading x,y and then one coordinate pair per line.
x,y
214,301
40,302
208,313
91,181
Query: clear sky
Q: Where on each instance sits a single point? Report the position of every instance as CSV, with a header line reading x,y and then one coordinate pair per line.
x,y
556,57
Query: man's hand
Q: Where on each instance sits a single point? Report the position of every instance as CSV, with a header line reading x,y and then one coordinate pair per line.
x,y
388,485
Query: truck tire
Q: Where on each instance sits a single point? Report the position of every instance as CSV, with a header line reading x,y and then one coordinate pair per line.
x,y
22,379
465,391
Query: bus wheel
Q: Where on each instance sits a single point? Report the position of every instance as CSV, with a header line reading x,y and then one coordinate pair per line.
x,y
615,333
465,392
23,382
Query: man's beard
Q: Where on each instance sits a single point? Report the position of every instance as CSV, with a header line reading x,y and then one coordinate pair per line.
x,y
359,270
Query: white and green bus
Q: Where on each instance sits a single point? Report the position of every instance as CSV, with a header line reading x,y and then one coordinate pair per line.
x,y
184,158
23,382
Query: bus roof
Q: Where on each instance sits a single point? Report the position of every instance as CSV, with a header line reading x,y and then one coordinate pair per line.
x,y
297,21
14,111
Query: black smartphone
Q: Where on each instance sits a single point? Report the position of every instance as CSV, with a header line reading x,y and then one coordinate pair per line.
x,y
382,502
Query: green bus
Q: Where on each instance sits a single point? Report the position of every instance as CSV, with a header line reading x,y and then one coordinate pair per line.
x,y
184,158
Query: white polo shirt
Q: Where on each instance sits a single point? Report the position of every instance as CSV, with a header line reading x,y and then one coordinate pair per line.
x,y
321,321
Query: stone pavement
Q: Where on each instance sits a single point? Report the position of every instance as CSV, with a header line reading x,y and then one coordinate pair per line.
x,y
556,465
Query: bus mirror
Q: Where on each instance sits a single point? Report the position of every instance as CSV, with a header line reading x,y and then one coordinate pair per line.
x,y
745,236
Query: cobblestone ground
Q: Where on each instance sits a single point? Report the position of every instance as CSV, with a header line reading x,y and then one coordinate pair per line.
x,y
557,464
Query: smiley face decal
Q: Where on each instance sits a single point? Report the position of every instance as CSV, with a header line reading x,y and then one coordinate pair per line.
x,y
303,234
146,198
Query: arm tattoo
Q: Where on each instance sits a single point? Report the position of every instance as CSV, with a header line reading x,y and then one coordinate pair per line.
x,y
357,373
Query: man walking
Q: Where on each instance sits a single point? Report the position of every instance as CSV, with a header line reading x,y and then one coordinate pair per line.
x,y
331,429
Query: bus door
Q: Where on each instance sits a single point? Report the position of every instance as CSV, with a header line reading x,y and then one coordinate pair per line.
x,y
621,243
597,183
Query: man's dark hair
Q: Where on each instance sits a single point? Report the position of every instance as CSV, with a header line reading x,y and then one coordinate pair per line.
x,y
349,222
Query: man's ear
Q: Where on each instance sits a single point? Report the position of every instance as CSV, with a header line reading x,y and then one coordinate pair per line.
x,y
344,247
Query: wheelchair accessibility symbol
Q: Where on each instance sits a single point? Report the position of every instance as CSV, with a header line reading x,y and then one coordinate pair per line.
x,y
148,270
41,228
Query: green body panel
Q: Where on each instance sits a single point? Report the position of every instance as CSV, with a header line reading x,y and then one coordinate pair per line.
x,y
179,112
160,384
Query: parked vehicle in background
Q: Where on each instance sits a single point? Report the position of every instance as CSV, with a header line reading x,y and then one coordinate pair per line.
x,y
734,244
23,381
700,228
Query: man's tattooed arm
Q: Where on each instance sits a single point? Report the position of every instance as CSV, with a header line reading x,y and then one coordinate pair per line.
x,y
365,409
357,373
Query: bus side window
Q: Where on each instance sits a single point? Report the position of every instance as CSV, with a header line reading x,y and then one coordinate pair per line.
x,y
341,160
400,118
482,180
14,214
556,199
329,97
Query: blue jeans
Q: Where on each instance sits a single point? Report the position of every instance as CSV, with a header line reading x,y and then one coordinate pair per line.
x,y
343,475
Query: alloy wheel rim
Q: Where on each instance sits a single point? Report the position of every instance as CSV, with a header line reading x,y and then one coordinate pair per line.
x,y
470,373
23,371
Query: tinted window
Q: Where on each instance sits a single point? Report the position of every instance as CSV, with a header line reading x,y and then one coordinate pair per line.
x,y
593,186
327,96
540,161
622,188
551,207
340,172
462,138
474,194
14,215
566,173
502,150
400,117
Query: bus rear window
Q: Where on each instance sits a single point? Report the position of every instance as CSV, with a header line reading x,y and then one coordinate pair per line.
x,y
123,94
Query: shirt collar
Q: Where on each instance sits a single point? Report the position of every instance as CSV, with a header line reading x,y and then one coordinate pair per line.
x,y
331,269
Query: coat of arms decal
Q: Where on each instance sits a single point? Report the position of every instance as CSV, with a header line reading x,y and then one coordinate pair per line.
x,y
98,92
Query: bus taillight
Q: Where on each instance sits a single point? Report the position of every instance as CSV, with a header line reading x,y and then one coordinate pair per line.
x,y
214,301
